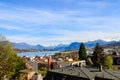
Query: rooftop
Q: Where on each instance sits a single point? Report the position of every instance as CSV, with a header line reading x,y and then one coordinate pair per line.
x,y
75,71
89,73
108,74
26,71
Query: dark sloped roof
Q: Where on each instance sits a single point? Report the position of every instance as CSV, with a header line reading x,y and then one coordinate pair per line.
x,y
107,74
89,73
75,71
114,73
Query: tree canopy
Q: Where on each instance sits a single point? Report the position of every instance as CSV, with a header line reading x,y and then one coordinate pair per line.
x,y
108,61
97,55
10,63
82,52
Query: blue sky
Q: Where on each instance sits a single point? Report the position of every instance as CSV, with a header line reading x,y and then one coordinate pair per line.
x,y
51,22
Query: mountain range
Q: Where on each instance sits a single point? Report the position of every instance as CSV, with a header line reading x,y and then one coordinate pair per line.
x,y
71,46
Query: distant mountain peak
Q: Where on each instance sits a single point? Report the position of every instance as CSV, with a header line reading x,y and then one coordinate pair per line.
x,y
71,46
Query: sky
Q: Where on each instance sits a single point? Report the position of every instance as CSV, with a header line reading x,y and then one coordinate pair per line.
x,y
52,22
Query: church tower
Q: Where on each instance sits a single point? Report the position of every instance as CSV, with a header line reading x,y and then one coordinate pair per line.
x,y
49,62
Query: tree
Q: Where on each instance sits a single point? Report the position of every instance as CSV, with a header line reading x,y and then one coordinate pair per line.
x,y
97,55
108,61
10,63
43,70
82,52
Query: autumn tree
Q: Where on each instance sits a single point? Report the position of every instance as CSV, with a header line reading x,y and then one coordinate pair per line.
x,y
97,55
108,61
82,52
10,63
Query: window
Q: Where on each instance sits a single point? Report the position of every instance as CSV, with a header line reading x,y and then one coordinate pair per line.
x,y
118,61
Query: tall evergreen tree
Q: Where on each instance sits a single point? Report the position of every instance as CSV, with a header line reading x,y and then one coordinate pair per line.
x,y
82,52
97,55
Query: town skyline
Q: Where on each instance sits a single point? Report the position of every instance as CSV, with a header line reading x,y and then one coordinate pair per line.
x,y
59,21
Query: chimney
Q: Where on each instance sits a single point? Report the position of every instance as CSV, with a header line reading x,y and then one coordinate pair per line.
x,y
79,74
80,64
100,67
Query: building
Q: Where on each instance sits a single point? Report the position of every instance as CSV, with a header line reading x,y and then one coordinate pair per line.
x,y
30,75
27,73
60,64
81,73
34,65
116,60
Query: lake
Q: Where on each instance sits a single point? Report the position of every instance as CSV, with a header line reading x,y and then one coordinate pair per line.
x,y
32,54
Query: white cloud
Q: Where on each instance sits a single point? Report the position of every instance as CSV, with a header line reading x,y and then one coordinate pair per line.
x,y
29,17
66,38
52,27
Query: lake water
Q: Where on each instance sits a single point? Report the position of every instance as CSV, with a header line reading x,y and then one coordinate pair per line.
x,y
32,54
